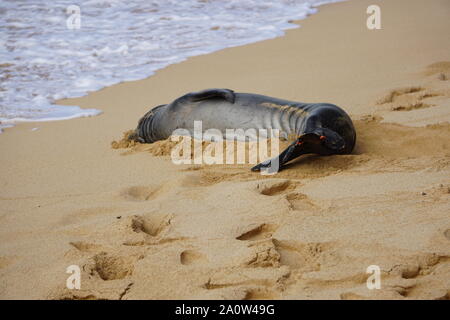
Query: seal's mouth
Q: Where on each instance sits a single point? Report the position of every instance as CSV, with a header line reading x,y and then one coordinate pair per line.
x,y
335,145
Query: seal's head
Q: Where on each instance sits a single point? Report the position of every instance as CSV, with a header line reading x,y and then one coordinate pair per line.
x,y
324,141
143,132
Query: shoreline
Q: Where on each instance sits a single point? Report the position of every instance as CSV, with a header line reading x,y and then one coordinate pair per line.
x,y
82,113
143,228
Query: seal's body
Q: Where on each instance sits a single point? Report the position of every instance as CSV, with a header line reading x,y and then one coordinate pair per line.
x,y
321,128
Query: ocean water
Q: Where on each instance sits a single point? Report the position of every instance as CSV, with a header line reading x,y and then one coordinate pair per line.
x,y
50,50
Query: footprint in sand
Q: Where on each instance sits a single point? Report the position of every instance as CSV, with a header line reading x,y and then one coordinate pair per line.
x,y
264,255
410,277
424,265
352,296
249,288
407,99
147,229
447,234
302,256
256,232
300,201
410,271
439,69
190,257
260,294
259,239
140,193
209,177
85,246
393,95
273,187
151,224
112,267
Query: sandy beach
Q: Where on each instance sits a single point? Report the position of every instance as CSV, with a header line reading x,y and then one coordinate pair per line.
x,y
140,227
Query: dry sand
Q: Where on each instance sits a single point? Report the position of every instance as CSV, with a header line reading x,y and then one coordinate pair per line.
x,y
142,228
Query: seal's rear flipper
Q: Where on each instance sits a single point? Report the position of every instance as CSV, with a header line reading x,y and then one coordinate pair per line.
x,y
134,136
226,94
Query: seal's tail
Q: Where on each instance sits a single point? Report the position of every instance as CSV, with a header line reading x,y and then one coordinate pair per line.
x,y
143,131
134,136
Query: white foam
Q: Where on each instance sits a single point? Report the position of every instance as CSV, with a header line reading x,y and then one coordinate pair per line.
x,y
41,60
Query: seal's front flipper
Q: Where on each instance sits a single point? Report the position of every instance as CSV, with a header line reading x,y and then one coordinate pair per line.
x,y
226,94
321,141
274,165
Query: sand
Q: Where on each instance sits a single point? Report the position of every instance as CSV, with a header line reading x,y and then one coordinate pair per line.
x,y
140,227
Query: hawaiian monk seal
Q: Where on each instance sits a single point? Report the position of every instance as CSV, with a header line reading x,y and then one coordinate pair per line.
x,y
321,128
